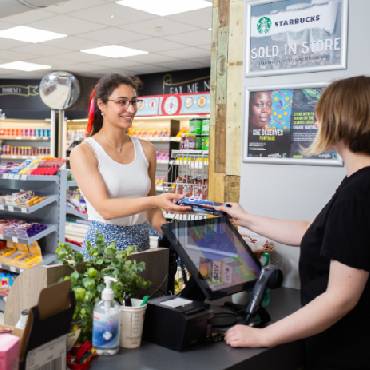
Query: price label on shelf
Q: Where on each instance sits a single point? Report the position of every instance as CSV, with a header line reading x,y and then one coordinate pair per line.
x,y
24,210
16,177
2,207
14,239
10,208
23,177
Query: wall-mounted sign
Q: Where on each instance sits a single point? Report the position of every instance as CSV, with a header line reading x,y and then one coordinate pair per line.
x,y
290,36
280,124
19,90
188,86
174,105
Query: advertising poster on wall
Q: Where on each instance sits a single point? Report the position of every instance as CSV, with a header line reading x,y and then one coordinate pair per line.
x,y
290,36
280,125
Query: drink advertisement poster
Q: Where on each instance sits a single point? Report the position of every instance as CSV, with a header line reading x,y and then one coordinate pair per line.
x,y
280,125
290,36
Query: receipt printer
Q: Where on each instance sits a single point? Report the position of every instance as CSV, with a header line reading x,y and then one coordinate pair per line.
x,y
175,322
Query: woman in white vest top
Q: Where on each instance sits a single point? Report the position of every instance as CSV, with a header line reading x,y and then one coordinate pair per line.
x,y
115,172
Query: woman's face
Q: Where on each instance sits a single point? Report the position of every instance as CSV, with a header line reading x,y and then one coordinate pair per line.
x,y
261,109
121,107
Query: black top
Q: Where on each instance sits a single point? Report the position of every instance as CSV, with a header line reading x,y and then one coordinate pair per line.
x,y
340,232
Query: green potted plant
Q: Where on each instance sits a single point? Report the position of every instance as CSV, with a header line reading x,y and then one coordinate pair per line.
x,y
86,277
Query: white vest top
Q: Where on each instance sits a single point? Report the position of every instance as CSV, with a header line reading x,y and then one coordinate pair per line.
x,y
122,181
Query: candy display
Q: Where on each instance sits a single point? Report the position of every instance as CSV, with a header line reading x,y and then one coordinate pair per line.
x,y
26,132
12,228
21,255
24,150
38,166
149,132
21,199
76,201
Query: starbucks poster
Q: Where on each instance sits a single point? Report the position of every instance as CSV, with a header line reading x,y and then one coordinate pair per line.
x,y
280,125
290,36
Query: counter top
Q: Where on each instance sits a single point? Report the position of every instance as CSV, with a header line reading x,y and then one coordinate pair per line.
x,y
217,356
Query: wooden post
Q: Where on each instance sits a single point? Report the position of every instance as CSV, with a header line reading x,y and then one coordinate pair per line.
x,y
226,100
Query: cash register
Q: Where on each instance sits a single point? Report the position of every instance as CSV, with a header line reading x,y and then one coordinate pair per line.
x,y
221,263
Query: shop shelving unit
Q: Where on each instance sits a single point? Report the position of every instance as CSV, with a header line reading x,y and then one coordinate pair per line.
x,y
23,137
48,211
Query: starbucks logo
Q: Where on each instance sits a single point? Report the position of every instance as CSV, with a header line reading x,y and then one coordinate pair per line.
x,y
264,25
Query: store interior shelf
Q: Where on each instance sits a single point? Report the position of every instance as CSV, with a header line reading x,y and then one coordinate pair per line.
x,y
47,259
50,229
10,176
193,164
73,212
163,161
190,151
164,138
9,156
11,268
16,209
71,183
25,138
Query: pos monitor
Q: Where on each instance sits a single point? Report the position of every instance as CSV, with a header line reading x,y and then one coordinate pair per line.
x,y
215,254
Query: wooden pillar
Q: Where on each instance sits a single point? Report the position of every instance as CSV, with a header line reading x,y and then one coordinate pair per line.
x,y
226,100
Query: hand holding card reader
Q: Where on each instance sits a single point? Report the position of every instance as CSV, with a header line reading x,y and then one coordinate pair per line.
x,y
175,322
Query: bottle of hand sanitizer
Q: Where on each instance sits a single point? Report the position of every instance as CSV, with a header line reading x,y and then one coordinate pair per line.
x,y
106,322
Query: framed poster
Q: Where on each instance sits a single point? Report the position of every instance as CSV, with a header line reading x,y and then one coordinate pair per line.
x,y
280,124
292,36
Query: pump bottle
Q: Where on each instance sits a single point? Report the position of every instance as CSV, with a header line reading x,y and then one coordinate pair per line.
x,y
106,321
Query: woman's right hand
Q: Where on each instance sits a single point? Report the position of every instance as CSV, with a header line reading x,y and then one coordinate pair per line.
x,y
235,211
167,201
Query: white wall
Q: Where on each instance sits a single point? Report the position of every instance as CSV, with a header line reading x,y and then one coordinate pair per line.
x,y
296,191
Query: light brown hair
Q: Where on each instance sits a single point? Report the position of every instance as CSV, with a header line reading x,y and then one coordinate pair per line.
x,y
343,114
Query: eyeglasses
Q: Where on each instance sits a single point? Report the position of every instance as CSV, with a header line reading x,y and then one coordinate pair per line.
x,y
125,102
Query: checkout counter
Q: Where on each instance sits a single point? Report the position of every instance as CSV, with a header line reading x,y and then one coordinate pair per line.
x,y
216,356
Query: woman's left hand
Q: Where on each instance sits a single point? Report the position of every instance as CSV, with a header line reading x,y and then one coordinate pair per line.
x,y
245,336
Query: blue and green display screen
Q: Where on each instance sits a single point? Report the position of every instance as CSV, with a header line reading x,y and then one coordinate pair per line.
x,y
220,256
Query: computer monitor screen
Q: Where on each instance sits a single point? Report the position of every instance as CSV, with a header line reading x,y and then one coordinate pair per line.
x,y
215,254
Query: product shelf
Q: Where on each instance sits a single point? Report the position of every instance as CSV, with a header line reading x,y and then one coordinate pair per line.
x,y
46,260
190,164
164,138
163,161
190,151
9,156
50,229
25,138
10,176
27,210
71,183
73,212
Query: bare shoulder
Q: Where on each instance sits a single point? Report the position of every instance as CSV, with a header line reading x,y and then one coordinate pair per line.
x,y
149,148
83,152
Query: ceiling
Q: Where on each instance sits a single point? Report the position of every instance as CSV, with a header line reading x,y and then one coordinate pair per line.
x,y
174,42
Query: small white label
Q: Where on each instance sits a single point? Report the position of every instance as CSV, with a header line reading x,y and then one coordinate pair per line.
x,y
24,210
16,177
10,208
2,207
14,239
24,177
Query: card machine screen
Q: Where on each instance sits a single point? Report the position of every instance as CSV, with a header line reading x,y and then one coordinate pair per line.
x,y
217,252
